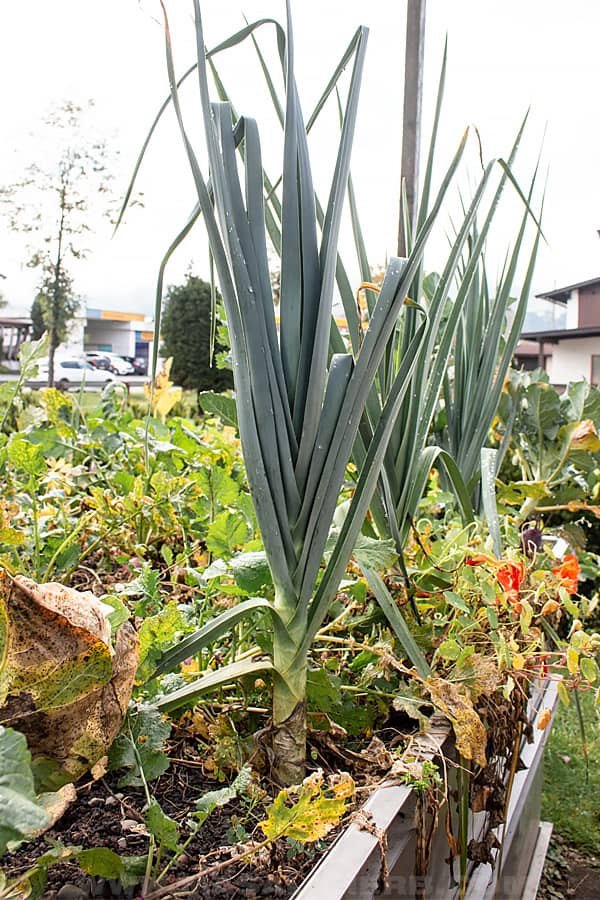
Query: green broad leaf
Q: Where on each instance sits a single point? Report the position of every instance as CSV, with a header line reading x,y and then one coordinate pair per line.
x,y
356,589
246,507
568,603
374,553
8,392
31,352
450,649
456,601
574,400
563,694
164,829
589,669
251,572
221,405
465,654
322,691
215,799
324,695
219,487
12,538
101,862
24,456
226,534
492,616
412,706
20,812
518,491
542,409
119,614
134,870
525,616
141,746
104,863
124,480
167,554
488,592
580,640
157,634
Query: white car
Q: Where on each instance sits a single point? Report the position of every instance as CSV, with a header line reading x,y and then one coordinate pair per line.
x,y
110,361
72,373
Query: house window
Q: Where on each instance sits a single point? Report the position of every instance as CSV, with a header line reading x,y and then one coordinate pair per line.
x,y
595,379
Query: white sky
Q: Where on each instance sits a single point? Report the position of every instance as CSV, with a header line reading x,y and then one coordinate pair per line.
x,y
504,56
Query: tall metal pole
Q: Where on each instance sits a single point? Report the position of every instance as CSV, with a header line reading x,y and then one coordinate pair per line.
x,y
411,121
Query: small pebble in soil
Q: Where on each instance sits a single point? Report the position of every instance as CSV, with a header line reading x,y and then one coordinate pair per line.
x,y
111,801
71,892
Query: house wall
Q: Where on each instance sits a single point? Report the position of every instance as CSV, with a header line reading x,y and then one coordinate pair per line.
x,y
589,305
114,337
572,359
573,310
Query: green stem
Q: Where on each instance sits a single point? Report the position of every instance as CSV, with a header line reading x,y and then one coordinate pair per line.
x,y
584,743
176,858
36,529
151,845
463,819
289,692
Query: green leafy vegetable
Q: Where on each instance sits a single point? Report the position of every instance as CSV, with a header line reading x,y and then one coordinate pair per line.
x,y
140,748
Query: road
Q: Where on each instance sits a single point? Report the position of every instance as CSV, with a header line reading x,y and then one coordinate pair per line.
x,y
134,382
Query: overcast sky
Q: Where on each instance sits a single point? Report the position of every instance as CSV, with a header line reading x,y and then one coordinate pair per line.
x,y
504,57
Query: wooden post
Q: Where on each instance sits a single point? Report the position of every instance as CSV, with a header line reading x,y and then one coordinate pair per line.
x,y
411,119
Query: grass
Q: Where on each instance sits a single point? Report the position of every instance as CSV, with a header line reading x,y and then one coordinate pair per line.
x,y
571,797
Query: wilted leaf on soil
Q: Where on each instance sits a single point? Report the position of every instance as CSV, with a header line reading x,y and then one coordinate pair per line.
x,y
307,812
470,732
480,674
61,683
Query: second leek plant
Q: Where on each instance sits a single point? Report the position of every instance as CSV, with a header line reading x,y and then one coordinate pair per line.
x,y
298,408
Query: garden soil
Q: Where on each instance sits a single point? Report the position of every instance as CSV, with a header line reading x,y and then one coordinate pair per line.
x,y
106,815
568,873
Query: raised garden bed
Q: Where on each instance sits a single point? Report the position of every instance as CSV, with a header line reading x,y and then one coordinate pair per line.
x,y
353,867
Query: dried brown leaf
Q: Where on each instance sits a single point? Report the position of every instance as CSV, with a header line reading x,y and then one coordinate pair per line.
x,y
471,737
61,683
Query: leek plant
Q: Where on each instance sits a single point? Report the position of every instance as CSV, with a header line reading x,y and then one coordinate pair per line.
x,y
484,349
467,335
466,332
299,407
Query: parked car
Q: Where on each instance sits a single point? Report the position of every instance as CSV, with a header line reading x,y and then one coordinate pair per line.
x,y
98,360
110,361
140,365
72,373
